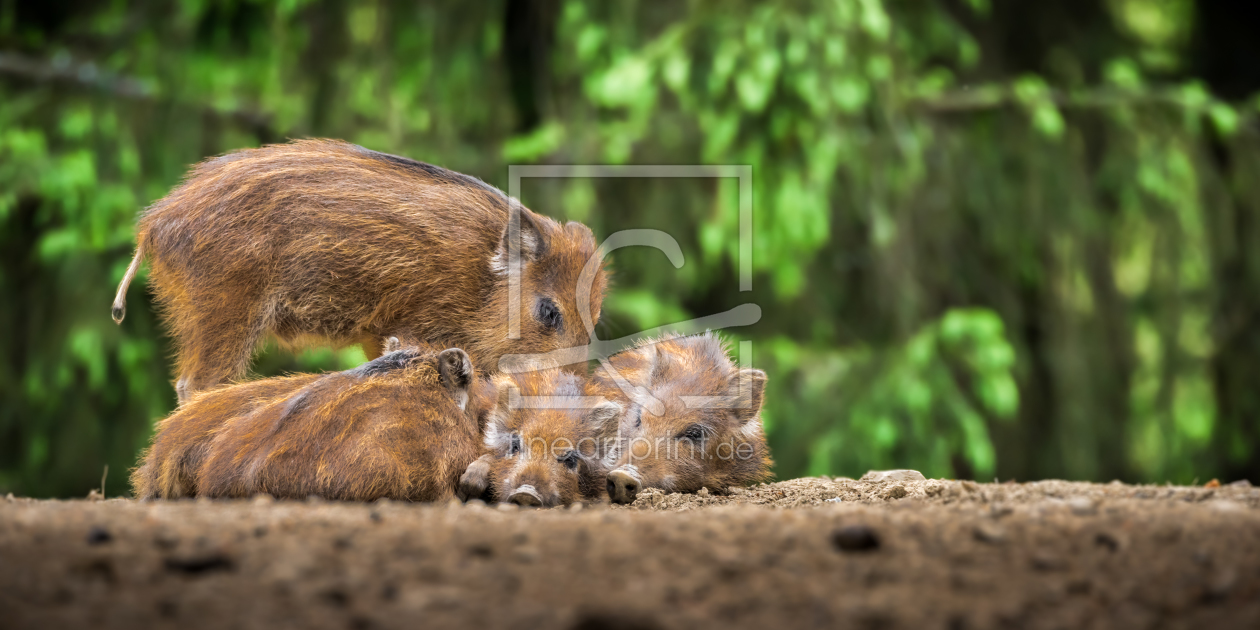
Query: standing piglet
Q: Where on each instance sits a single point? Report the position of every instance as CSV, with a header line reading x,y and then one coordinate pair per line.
x,y
324,241
544,442
404,426
691,420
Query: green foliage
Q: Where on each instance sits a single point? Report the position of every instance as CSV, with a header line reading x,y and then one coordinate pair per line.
x,y
928,400
965,265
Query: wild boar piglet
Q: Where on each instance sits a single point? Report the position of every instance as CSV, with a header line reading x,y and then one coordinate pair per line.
x,y
691,419
544,442
403,426
323,241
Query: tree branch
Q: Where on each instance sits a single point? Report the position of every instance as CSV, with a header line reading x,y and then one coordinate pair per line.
x,y
994,97
87,75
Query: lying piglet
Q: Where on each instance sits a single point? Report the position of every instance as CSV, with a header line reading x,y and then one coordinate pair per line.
x,y
404,426
691,418
544,442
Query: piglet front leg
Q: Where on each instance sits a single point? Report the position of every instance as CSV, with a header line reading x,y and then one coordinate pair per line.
x,y
475,481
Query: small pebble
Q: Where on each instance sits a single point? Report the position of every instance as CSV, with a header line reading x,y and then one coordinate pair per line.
x,y
903,474
1046,561
1082,506
1106,541
526,554
1224,505
704,492
507,507
855,538
1221,585
991,533
166,539
98,535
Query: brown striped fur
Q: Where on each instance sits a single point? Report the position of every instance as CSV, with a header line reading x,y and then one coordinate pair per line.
x,y
390,428
543,457
324,241
685,448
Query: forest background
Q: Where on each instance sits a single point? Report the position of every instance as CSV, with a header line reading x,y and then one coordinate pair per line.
x,y
992,238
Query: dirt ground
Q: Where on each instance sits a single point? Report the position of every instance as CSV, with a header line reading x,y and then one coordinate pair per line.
x,y
886,554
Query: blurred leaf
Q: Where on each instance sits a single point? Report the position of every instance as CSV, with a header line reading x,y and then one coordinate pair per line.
x,y
1224,117
625,83
1123,73
529,148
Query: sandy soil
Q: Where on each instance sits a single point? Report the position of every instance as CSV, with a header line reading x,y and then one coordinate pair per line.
x,y
887,554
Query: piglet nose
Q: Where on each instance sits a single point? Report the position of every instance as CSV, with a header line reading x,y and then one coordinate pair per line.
x,y
526,496
622,487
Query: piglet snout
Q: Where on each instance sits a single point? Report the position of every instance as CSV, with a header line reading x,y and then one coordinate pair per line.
x,y
623,486
526,496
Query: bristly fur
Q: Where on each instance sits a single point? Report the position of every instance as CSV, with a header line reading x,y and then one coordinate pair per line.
x,y
673,367
397,360
324,240
543,434
389,428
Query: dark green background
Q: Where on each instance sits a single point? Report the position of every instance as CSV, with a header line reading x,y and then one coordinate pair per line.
x,y
993,238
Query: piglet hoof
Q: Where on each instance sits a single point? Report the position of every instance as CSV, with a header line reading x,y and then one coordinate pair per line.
x,y
475,481
457,374
456,369
392,345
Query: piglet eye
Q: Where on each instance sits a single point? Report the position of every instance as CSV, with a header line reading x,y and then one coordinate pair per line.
x,y
548,314
693,432
515,446
569,459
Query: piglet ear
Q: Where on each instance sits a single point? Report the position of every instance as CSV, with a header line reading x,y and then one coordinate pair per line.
x,y
498,431
748,387
641,366
603,420
657,362
504,387
526,229
604,416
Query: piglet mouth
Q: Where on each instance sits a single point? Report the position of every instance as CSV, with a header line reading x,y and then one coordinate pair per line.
x,y
526,496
